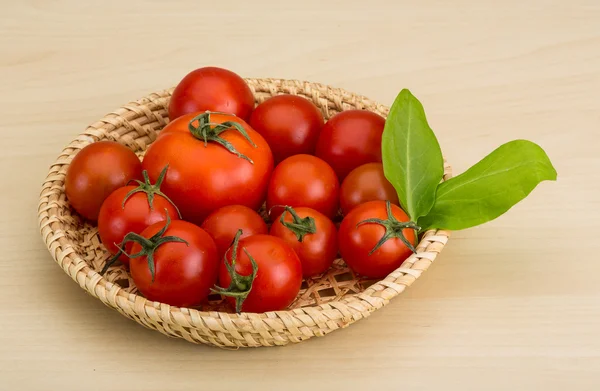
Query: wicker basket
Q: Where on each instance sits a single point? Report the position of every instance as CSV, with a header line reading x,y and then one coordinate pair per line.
x,y
326,303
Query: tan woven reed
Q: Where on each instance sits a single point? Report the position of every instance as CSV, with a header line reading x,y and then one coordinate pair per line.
x,y
332,301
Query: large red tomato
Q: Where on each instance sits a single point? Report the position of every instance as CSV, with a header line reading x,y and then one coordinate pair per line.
x,y
226,169
375,238
224,223
178,264
366,183
311,234
290,124
266,274
133,209
95,172
212,89
350,139
303,180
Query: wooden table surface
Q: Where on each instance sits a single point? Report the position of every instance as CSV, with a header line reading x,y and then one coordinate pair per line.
x,y
513,304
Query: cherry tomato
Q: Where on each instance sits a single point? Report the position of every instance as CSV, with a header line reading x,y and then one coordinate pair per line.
x,y
290,124
185,263
132,209
96,171
312,236
350,139
266,271
212,89
375,238
366,183
223,224
303,180
203,177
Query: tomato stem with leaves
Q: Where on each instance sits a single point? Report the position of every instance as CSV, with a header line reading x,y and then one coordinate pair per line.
x,y
151,189
149,246
210,131
240,286
393,229
299,226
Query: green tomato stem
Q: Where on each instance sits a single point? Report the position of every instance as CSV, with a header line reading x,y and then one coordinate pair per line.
x,y
393,229
299,226
151,189
209,131
240,285
149,246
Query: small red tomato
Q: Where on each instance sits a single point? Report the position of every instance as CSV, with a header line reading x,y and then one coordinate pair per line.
x,y
212,89
303,180
290,124
375,238
224,223
350,139
96,171
133,209
178,264
311,234
366,183
266,274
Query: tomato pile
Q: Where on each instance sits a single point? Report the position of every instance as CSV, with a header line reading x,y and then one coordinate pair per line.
x,y
186,221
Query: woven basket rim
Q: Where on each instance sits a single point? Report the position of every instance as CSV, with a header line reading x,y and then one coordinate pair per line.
x,y
350,308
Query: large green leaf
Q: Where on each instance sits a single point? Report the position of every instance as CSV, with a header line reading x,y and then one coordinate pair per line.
x,y
412,159
490,187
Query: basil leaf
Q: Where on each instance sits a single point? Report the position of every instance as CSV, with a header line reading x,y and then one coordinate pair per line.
x,y
490,187
412,159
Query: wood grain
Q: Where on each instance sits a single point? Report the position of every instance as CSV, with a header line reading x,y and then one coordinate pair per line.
x,y
514,304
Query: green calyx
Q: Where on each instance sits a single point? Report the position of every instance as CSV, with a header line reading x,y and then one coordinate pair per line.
x,y
393,229
209,131
149,246
240,286
151,189
299,226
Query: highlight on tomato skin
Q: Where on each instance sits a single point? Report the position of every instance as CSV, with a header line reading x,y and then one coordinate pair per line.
x,y
223,224
303,180
291,125
95,172
350,139
212,89
366,183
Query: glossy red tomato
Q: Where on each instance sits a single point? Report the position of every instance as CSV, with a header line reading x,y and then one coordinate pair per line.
x,y
212,89
350,139
271,285
223,224
184,272
132,209
96,171
366,183
290,124
311,234
203,177
362,231
303,180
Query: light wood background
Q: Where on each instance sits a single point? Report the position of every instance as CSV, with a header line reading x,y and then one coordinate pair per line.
x,y
511,305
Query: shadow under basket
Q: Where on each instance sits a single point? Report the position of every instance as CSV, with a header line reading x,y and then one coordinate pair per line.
x,y
326,303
